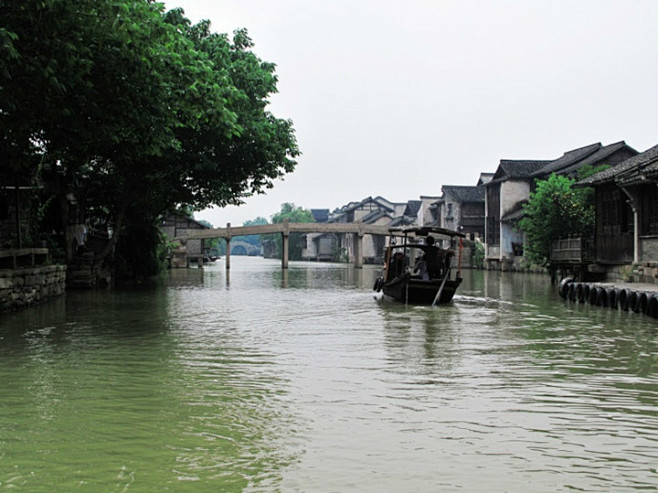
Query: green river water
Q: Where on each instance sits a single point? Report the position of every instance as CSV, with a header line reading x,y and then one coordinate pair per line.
x,y
304,381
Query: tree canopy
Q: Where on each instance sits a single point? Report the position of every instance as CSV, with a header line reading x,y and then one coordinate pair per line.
x,y
294,214
557,210
133,111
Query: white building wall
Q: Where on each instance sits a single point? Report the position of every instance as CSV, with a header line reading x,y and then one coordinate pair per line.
x,y
512,194
451,212
424,213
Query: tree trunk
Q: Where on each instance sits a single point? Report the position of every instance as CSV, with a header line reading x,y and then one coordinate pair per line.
x,y
68,231
112,242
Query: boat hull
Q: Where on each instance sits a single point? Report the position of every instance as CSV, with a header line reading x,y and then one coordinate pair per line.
x,y
419,292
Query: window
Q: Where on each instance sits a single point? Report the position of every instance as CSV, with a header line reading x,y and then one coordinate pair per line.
x,y
649,210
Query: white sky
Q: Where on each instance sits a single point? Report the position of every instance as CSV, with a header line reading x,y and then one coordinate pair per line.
x,y
397,98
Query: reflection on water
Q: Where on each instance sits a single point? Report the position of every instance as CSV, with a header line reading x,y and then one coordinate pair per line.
x,y
305,380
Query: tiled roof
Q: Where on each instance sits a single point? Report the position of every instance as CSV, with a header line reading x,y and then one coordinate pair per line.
x,y
513,216
645,172
515,169
320,215
485,178
402,221
413,206
567,159
355,205
597,158
374,216
190,220
617,172
464,193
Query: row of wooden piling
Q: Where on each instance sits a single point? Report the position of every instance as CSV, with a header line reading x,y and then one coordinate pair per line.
x,y
617,298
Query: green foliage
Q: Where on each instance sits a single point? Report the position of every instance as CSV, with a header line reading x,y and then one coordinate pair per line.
x,y
259,221
252,239
340,254
133,111
555,210
477,254
291,213
141,251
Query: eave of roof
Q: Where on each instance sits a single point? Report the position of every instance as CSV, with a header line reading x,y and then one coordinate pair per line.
x,y
596,159
509,169
513,216
637,162
567,159
463,193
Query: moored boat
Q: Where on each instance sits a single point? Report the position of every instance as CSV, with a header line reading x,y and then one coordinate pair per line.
x,y
428,280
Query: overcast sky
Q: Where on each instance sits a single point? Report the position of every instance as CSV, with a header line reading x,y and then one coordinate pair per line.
x,y
397,98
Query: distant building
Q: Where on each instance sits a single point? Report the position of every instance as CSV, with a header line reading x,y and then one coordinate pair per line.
x,y
428,213
461,208
505,194
371,210
175,225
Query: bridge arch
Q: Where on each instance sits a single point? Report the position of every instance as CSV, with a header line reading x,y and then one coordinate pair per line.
x,y
243,248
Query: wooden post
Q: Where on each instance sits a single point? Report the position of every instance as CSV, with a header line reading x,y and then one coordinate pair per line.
x,y
18,218
285,237
285,250
636,223
358,251
228,246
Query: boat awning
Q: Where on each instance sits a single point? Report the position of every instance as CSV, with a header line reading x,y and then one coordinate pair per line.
x,y
426,231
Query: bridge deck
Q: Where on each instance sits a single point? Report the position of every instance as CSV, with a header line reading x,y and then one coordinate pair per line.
x,y
287,228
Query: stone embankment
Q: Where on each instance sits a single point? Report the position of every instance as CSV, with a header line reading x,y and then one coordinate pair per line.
x,y
20,288
636,297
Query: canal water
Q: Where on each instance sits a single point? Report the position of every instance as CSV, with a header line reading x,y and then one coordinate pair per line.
x,y
304,381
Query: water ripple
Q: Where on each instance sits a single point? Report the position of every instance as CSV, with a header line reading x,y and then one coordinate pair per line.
x,y
264,380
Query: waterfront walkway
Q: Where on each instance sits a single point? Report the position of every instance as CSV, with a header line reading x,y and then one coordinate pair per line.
x,y
635,286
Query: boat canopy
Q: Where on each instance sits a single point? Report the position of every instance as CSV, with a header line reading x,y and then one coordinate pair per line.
x,y
426,231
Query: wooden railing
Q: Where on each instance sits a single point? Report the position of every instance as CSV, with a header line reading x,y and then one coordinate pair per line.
x,y
22,257
571,250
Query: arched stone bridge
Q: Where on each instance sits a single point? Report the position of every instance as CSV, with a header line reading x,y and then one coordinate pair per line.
x,y
285,228
240,246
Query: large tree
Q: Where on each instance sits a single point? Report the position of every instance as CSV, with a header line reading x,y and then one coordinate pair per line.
x,y
132,111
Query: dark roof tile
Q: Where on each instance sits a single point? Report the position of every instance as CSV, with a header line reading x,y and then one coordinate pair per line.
x,y
320,215
374,216
597,158
617,172
413,206
464,193
516,169
567,159
485,178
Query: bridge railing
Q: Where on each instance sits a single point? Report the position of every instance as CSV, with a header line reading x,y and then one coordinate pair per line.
x,y
285,228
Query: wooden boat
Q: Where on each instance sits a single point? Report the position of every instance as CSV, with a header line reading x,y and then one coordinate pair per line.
x,y
416,270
